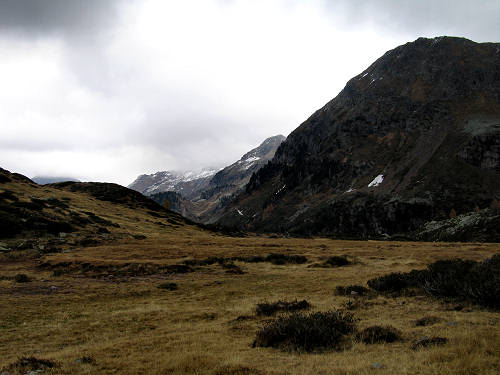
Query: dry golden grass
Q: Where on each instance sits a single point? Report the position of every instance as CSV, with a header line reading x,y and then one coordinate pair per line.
x,y
129,326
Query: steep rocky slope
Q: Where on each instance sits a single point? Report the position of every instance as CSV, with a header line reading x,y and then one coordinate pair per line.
x,y
413,138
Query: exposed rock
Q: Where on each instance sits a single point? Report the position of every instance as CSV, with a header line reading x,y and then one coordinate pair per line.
x,y
376,366
414,138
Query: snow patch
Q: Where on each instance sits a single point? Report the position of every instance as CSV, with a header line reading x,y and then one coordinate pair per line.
x,y
350,190
376,181
280,190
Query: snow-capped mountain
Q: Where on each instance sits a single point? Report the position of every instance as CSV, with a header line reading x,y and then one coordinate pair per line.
x,y
201,194
186,183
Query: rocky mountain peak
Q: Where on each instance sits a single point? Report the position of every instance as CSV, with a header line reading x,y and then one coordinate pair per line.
x,y
411,138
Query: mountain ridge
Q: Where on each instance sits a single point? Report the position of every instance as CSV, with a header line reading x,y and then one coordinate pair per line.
x,y
422,109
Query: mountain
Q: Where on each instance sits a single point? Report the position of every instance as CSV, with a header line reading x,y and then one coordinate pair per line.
x,y
201,198
414,138
43,180
187,183
64,214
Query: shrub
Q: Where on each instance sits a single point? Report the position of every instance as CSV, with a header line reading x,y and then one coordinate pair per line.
x,y
168,286
279,259
476,282
21,278
27,364
270,308
337,261
205,262
274,258
378,334
251,259
351,290
301,332
427,321
393,282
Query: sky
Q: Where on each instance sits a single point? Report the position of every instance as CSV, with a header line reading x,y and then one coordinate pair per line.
x,y
106,90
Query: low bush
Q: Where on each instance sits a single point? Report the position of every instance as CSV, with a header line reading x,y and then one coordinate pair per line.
x,y
270,308
393,282
168,286
21,278
274,258
28,364
337,261
307,332
378,334
205,262
475,282
279,259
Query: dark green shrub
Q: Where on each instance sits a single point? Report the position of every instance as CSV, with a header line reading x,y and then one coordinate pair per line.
x,y
251,259
205,262
337,261
307,332
279,259
168,286
270,308
475,282
351,290
21,278
378,334
393,282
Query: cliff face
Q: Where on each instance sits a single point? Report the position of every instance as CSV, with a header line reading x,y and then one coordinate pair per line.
x,y
413,138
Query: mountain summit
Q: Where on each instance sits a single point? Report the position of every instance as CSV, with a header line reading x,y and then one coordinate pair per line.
x,y
413,138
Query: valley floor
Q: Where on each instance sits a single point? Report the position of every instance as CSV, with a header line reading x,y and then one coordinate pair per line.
x,y
98,310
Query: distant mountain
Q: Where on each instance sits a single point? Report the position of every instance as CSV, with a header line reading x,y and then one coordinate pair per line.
x,y
44,180
414,138
187,183
199,196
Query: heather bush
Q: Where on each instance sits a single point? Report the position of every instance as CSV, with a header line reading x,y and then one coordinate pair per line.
x,y
307,332
378,334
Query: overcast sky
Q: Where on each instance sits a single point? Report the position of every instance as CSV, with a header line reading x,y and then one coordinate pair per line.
x,y
105,90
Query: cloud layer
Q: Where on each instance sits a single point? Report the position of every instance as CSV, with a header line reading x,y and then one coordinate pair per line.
x,y
106,90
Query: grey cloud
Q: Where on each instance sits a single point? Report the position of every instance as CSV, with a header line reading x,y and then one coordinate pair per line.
x,y
39,17
471,19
